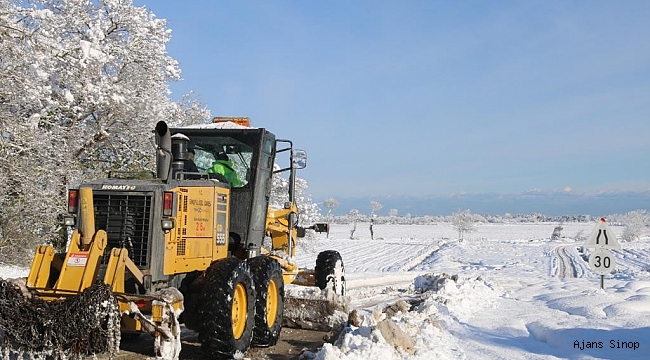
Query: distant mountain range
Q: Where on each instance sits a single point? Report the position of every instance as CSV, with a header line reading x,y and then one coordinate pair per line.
x,y
547,203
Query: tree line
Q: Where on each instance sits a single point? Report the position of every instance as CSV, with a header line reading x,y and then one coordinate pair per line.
x,y
636,223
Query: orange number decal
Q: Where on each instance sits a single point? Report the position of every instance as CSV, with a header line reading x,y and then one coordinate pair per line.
x,y
200,228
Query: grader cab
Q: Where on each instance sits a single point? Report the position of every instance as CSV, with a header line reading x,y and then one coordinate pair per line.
x,y
186,246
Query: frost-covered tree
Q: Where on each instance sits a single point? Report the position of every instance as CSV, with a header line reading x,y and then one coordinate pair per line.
x,y
331,204
464,222
635,223
374,206
408,218
557,232
393,215
354,215
82,84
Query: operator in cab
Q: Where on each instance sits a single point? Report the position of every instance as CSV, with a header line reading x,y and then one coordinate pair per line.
x,y
223,166
190,165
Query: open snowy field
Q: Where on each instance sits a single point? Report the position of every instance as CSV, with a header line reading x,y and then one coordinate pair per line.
x,y
510,301
519,295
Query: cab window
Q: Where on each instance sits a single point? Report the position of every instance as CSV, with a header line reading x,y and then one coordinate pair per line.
x,y
207,148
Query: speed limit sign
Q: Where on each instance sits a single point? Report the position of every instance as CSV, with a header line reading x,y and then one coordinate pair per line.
x,y
602,261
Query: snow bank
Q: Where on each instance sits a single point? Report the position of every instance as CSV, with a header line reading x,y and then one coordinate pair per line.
x,y
443,299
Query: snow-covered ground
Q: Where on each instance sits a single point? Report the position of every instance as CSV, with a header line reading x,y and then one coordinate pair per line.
x,y
510,300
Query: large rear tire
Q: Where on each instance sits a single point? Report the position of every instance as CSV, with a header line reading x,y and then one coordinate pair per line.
x,y
225,309
269,300
329,272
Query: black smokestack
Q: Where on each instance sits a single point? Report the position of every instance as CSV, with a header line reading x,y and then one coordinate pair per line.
x,y
163,150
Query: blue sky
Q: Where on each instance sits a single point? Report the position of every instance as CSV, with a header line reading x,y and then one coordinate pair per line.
x,y
416,98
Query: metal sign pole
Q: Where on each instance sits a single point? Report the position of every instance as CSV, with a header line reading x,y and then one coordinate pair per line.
x,y
602,282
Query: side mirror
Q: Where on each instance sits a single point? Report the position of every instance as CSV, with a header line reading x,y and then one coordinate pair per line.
x,y
299,159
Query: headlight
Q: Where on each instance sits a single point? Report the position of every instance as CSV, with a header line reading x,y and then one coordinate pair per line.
x,y
167,224
68,220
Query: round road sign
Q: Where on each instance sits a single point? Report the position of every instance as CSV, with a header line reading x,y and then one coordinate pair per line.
x,y
602,261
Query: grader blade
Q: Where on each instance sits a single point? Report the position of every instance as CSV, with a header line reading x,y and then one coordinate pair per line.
x,y
317,310
316,300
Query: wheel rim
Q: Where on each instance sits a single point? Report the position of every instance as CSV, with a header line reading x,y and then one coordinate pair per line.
x,y
271,303
239,311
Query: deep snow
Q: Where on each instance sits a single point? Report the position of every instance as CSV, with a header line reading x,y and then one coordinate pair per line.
x,y
509,301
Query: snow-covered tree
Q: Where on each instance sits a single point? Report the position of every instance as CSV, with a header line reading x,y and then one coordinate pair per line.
x,y
82,84
331,204
635,223
464,222
557,232
354,215
374,207
393,215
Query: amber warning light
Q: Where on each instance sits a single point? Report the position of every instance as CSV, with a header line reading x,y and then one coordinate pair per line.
x,y
243,121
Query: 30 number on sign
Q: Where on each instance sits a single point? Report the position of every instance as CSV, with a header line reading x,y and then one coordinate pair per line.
x,y
606,262
602,261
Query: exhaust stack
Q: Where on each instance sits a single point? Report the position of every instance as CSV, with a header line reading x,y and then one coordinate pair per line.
x,y
163,150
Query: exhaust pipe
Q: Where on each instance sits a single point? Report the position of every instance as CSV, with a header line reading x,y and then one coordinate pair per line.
x,y
163,150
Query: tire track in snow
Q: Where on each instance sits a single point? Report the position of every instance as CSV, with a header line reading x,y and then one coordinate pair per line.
x,y
396,278
635,259
378,256
562,262
387,267
383,266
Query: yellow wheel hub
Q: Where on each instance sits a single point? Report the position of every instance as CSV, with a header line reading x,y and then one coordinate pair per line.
x,y
239,311
271,303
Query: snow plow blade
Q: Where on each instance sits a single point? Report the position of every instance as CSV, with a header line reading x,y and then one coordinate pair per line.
x,y
317,297
73,327
316,310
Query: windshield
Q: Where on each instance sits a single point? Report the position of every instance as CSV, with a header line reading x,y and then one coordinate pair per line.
x,y
206,149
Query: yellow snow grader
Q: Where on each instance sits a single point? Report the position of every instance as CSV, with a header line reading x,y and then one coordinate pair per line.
x,y
182,246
